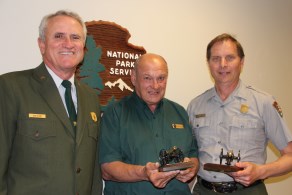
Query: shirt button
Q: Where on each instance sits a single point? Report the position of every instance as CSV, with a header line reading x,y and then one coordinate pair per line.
x,y
37,134
219,142
78,170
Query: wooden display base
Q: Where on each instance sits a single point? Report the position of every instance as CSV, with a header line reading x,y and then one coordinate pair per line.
x,y
176,166
221,168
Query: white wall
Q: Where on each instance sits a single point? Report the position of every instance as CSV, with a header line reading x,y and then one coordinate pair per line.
x,y
180,31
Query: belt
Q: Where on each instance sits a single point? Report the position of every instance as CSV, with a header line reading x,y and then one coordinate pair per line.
x,y
224,187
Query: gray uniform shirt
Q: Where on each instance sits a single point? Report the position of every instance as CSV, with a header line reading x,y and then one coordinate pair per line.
x,y
244,122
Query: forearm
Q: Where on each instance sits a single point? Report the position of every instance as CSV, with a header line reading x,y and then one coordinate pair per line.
x,y
122,172
280,167
196,167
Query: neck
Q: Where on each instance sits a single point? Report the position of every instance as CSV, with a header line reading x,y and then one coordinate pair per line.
x,y
152,107
224,90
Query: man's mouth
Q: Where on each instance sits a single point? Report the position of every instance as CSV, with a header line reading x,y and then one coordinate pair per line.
x,y
153,92
224,73
67,53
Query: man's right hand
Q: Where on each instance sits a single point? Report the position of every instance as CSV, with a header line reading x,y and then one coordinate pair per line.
x,y
158,179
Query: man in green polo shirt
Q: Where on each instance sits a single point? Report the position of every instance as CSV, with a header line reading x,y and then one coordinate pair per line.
x,y
136,128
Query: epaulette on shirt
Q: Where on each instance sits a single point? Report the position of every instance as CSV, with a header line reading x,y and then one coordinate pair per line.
x,y
204,93
257,90
275,103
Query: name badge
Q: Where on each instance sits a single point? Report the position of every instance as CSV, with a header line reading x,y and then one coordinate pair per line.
x,y
32,115
177,126
200,115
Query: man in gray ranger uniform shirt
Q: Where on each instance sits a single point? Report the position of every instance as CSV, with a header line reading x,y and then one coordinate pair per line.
x,y
234,116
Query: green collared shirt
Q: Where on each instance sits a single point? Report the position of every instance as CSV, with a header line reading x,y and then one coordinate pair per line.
x,y
131,133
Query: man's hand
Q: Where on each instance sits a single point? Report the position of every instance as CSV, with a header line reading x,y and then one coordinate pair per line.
x,y
249,174
253,172
188,174
158,179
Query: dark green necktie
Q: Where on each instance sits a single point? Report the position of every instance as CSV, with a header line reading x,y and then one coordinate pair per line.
x,y
69,102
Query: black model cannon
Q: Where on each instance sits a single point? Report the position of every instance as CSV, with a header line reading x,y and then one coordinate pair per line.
x,y
224,168
173,155
173,159
229,157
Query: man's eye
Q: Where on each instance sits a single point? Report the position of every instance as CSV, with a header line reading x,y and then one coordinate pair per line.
x,y
58,36
147,78
229,58
76,37
215,59
160,79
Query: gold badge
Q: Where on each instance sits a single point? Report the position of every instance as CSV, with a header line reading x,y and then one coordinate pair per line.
x,y
93,116
278,108
32,115
244,108
177,126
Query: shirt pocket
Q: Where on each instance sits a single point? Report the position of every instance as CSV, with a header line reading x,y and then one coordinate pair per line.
x,y
178,134
37,129
93,130
35,143
202,131
246,133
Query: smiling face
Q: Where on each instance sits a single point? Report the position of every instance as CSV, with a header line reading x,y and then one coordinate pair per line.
x,y
225,64
150,79
63,47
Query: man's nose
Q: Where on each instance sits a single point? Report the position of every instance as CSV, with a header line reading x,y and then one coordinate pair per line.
x,y
155,84
223,62
68,42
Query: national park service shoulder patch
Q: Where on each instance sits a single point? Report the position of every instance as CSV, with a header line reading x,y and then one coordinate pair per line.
x,y
278,108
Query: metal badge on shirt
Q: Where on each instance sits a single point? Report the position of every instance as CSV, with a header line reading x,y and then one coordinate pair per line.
x,y
33,115
200,115
244,108
177,126
93,116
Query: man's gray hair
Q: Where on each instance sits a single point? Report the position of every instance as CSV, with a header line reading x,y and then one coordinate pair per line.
x,y
44,22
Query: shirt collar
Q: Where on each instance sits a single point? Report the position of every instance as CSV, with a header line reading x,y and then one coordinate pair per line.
x,y
143,105
238,92
58,81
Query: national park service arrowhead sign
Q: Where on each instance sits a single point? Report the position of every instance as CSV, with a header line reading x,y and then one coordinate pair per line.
x,y
108,61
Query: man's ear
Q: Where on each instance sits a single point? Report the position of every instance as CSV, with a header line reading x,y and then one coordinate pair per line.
x,y
133,77
41,45
241,63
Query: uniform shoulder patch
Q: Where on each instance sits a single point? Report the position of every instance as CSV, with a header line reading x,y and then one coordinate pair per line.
x,y
278,108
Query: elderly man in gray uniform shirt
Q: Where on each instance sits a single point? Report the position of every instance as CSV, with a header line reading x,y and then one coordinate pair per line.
x,y
237,117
